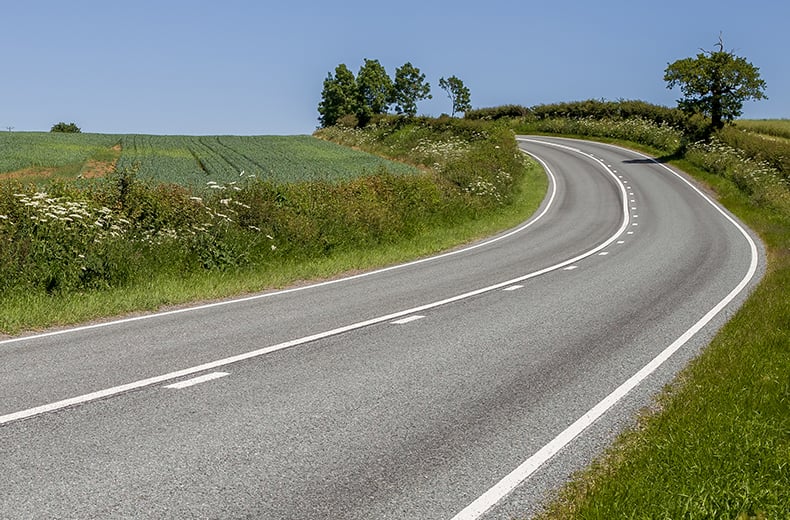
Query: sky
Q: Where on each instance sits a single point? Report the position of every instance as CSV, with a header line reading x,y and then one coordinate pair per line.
x,y
257,67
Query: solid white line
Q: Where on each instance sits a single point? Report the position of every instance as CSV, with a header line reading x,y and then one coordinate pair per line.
x,y
30,412
408,319
197,380
502,488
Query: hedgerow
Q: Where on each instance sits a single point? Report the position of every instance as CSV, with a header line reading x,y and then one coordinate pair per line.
x,y
121,230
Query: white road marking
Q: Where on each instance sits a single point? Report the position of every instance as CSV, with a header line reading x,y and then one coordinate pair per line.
x,y
30,412
621,241
513,288
603,253
571,268
197,380
408,319
502,488
630,233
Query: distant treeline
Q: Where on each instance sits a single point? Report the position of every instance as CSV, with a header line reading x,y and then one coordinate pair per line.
x,y
695,126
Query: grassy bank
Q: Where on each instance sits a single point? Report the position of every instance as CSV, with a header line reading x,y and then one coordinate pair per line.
x,y
717,443
81,251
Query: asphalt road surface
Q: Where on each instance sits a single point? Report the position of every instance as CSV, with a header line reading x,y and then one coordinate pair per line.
x,y
464,386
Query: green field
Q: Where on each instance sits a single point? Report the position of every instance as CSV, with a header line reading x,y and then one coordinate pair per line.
x,y
186,160
772,127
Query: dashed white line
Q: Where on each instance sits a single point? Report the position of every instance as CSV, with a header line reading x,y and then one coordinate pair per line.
x,y
407,319
197,380
513,288
603,253
571,268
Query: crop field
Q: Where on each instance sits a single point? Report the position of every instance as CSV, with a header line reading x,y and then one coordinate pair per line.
x,y
187,160
36,151
772,127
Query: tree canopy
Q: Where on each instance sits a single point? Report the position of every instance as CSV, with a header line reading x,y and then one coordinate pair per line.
x,y
338,97
67,128
715,84
457,92
409,88
350,100
374,90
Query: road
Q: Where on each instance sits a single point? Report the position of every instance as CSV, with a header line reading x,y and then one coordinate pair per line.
x,y
468,385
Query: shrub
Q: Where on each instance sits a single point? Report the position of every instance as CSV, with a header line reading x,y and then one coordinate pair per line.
x,y
494,113
65,128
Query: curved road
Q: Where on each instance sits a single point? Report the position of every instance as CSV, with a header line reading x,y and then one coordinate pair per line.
x,y
463,386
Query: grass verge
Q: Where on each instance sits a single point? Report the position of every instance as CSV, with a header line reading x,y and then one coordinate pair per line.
x,y
36,310
717,444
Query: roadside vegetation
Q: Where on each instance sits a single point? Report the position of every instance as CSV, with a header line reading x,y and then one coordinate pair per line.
x,y
716,444
72,250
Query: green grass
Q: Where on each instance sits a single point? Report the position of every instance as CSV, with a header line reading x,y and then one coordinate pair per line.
x,y
772,127
717,443
36,310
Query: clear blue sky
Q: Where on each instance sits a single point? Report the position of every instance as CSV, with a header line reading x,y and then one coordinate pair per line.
x,y
257,67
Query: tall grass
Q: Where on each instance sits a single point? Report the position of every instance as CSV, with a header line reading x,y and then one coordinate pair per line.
x,y
774,151
773,127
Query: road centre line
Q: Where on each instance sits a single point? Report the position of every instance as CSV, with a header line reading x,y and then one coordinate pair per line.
x,y
197,380
408,319
100,394
504,487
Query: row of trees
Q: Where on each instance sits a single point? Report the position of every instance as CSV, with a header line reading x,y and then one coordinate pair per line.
x,y
373,92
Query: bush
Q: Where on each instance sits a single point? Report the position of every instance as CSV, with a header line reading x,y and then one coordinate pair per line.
x,y
69,128
494,113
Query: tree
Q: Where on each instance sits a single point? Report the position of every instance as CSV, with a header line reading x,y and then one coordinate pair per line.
x,y
374,90
457,92
715,84
409,88
70,128
339,96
